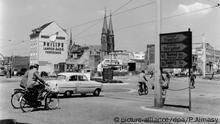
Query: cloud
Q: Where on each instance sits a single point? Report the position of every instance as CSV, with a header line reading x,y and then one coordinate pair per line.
x,y
193,7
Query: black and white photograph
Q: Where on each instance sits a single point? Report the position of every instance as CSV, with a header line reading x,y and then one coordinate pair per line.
x,y
110,61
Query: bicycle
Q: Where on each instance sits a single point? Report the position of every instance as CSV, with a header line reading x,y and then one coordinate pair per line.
x,y
49,100
15,97
142,90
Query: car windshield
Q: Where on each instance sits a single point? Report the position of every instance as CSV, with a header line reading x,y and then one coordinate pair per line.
x,y
61,77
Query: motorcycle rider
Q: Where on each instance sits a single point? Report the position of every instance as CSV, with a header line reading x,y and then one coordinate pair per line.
x,y
142,80
35,83
23,82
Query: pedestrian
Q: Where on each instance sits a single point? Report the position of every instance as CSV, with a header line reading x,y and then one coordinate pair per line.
x,y
213,73
192,79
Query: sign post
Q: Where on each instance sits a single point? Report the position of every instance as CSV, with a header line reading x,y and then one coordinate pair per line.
x,y
176,52
189,90
158,94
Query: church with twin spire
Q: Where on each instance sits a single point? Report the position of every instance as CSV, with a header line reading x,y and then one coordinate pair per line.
x,y
107,37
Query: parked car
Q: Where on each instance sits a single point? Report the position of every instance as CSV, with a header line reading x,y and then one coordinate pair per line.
x,y
69,83
21,72
2,72
180,73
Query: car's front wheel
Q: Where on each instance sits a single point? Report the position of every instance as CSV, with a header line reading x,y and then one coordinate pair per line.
x,y
97,92
67,94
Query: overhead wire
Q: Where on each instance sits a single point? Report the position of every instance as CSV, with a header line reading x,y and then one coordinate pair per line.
x,y
142,23
86,29
118,13
133,8
165,18
122,6
194,11
98,19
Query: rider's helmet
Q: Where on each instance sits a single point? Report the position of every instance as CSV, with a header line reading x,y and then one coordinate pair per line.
x,y
36,66
31,66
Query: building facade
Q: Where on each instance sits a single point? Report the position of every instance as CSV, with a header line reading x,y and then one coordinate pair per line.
x,y
212,57
49,46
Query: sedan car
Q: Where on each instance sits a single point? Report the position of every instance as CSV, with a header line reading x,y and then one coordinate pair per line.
x,y
68,83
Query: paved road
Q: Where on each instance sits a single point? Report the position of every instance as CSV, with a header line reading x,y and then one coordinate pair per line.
x,y
118,102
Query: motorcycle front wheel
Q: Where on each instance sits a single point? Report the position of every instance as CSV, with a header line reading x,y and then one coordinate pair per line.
x,y
51,101
139,92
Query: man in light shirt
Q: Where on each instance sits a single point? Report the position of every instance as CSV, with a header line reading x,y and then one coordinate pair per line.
x,y
142,80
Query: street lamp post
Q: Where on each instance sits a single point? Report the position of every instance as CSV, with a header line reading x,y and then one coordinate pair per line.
x,y
204,56
158,96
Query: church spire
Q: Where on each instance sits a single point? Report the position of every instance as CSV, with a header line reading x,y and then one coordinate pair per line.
x,y
71,39
70,44
105,25
111,41
111,32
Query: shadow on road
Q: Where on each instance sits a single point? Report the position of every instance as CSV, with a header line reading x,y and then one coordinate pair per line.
x,y
178,106
10,121
78,96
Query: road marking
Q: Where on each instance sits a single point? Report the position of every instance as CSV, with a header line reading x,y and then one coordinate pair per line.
x,y
162,111
178,113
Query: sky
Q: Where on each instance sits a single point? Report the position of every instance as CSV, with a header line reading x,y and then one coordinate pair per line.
x,y
133,28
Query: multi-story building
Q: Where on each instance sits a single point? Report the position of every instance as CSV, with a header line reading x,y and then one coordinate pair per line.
x,y
49,46
212,56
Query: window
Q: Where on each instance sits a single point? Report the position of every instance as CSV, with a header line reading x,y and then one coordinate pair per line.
x,y
73,78
61,77
82,78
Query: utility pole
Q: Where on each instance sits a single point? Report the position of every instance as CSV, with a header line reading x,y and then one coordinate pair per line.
x,y
204,55
158,95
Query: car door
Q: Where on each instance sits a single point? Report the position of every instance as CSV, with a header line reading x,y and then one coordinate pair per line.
x,y
84,86
72,83
62,83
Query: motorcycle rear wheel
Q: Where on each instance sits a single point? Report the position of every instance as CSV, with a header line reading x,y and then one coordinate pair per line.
x,y
25,106
15,99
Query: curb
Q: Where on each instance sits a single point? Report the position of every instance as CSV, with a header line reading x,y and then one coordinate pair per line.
x,y
178,113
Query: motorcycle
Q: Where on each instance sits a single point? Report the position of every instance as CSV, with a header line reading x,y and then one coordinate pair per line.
x,y
142,90
49,100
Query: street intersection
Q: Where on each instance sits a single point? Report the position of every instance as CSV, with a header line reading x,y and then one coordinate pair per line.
x,y
120,103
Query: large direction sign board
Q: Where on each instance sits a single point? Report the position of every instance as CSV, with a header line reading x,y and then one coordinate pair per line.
x,y
176,50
